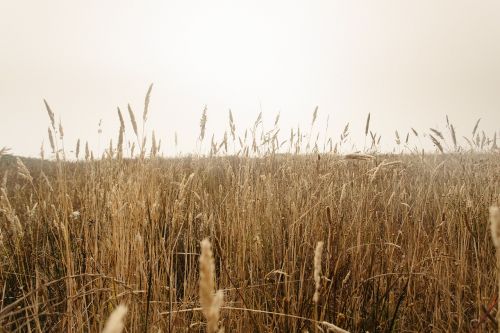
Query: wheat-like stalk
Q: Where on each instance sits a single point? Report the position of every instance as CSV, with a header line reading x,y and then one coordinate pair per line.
x,y
119,147
146,103
367,126
51,140
317,270
120,117
132,120
438,133
61,130
23,171
209,301
154,146
437,143
115,324
475,127
232,126
16,228
51,114
315,115
77,149
203,123
87,151
453,135
495,236
495,225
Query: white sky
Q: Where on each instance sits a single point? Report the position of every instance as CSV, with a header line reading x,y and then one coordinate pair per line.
x,y
409,63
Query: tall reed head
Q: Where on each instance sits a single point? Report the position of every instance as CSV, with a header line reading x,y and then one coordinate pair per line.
x,y
495,225
210,301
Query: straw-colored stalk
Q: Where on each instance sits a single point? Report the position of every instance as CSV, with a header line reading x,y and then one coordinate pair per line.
x,y
317,270
210,301
203,123
367,126
51,113
61,130
77,150
51,140
146,104
87,151
16,228
495,235
23,171
132,120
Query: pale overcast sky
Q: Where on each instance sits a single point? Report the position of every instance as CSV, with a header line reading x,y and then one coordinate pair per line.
x,y
409,63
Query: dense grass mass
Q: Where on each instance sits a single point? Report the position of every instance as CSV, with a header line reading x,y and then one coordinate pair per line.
x,y
261,235
406,248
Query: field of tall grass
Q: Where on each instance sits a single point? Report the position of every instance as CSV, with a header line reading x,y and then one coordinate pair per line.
x,y
279,236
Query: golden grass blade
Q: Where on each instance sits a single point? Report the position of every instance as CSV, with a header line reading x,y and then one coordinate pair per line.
x,y
146,103
51,114
132,120
437,143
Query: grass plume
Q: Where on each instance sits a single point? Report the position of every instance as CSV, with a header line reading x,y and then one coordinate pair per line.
x,y
210,301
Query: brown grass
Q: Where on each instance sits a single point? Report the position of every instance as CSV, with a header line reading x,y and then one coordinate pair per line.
x,y
406,246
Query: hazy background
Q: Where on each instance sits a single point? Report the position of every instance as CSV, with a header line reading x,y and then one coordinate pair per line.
x,y
409,63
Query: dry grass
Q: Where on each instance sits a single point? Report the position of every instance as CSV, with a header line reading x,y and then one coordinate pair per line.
x,y
317,270
209,301
406,246
495,236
